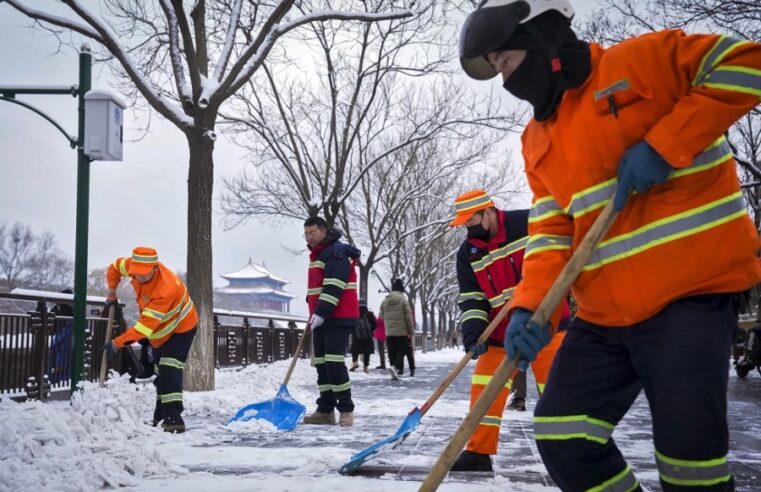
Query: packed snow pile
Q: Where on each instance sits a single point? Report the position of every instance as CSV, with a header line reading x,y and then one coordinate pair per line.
x,y
97,440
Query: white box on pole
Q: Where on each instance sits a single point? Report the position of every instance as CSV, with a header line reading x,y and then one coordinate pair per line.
x,y
104,117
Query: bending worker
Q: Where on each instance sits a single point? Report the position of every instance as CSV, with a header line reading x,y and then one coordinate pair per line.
x,y
168,320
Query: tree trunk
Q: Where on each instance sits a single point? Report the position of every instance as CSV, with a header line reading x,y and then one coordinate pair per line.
x,y
199,375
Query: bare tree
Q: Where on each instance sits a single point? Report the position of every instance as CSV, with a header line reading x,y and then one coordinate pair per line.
x,y
31,260
185,65
16,252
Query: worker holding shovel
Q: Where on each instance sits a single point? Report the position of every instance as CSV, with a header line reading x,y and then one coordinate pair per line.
x,y
168,320
334,312
656,304
489,264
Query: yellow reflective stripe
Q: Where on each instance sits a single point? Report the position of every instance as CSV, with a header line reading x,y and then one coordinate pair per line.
x,y
150,313
171,326
315,291
483,380
334,281
590,199
144,258
546,242
467,296
735,78
143,330
499,253
715,154
171,397
692,472
121,266
171,362
351,285
316,264
471,203
622,482
491,421
340,387
175,309
334,358
328,298
502,298
323,387
715,55
544,208
668,229
319,360
475,314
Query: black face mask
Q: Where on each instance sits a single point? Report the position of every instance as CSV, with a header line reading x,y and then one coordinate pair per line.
x,y
478,231
533,81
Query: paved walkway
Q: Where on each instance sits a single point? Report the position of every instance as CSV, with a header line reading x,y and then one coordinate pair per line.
x,y
518,459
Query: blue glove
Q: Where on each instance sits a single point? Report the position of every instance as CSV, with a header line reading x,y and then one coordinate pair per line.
x,y
110,349
525,337
639,169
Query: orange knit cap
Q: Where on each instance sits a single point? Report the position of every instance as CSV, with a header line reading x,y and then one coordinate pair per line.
x,y
143,260
469,203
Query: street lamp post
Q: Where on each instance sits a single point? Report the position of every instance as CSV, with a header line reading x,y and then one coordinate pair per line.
x,y
83,197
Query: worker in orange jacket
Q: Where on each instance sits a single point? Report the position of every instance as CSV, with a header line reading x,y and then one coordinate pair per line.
x,y
168,320
656,303
489,264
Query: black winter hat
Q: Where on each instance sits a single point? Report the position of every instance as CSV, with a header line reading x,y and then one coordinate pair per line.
x,y
397,285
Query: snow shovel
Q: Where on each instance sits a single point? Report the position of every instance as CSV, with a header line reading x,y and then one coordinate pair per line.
x,y
104,358
282,411
551,301
413,418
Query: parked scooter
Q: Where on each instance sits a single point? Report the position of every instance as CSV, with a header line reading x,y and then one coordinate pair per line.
x,y
747,353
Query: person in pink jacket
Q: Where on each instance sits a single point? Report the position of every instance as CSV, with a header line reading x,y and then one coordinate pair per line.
x,y
380,336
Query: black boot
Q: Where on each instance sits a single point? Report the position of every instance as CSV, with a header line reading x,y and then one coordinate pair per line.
x,y
173,419
475,462
518,404
157,414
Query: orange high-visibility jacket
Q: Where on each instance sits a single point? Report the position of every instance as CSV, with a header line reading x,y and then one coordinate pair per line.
x,y
691,235
165,306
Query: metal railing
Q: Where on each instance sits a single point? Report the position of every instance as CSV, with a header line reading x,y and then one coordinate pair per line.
x,y
35,345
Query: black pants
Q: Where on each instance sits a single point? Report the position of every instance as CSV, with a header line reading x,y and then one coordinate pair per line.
x,y
519,384
680,357
398,348
330,343
365,358
170,362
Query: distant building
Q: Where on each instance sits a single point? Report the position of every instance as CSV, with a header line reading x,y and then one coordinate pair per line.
x,y
254,288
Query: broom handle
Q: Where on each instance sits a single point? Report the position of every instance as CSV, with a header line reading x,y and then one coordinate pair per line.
x,y
465,359
296,355
104,359
552,299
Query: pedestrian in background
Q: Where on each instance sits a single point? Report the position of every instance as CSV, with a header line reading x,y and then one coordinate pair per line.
x,y
395,311
380,338
362,338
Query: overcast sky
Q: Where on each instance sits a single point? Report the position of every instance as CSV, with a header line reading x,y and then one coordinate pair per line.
x,y
139,201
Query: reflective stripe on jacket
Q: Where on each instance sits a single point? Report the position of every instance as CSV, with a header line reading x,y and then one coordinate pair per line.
x,y
332,281
688,236
164,303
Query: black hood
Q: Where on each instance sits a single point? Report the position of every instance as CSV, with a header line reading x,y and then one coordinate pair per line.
x,y
333,236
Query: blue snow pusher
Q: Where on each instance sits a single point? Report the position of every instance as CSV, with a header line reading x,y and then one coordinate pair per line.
x,y
282,411
392,441
413,418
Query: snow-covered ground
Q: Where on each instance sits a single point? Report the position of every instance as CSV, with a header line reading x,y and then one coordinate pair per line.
x,y
101,440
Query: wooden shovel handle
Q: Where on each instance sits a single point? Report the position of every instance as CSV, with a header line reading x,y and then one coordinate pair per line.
x,y
551,301
465,359
104,359
296,355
